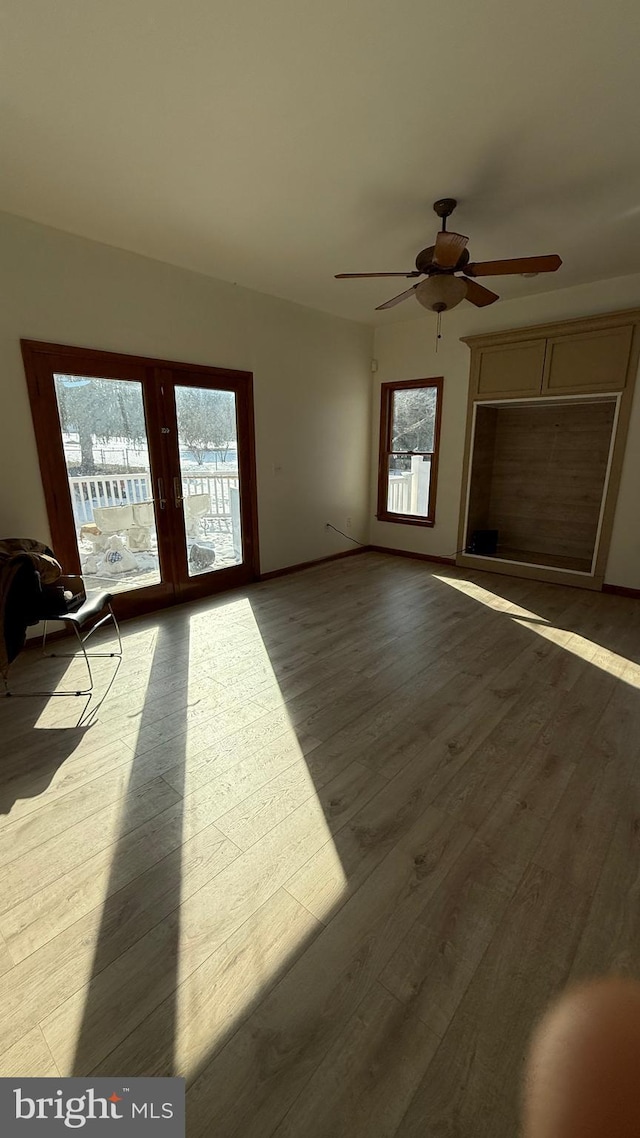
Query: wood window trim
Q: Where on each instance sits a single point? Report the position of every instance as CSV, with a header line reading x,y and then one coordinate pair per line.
x,y
387,391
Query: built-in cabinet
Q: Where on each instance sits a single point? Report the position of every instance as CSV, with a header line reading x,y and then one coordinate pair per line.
x,y
509,369
570,362
587,361
547,423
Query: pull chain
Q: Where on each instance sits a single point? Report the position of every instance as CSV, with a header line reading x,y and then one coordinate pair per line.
x,y
438,329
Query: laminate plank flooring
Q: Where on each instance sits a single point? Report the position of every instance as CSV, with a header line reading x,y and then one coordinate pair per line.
x,y
327,849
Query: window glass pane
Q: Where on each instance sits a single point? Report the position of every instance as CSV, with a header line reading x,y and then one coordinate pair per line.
x,y
408,484
208,440
413,418
104,436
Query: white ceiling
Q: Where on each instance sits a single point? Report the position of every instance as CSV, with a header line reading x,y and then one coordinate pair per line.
x,y
277,142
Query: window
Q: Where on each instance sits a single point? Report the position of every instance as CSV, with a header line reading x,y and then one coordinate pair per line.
x,y
409,436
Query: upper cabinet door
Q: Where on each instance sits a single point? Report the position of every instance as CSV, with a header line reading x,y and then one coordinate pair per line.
x,y
588,361
509,369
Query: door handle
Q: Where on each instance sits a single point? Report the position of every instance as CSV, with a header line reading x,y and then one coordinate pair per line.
x,y
177,491
162,501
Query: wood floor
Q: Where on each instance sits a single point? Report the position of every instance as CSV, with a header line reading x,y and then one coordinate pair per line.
x,y
328,850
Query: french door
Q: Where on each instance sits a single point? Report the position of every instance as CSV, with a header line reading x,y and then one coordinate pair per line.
x,y
148,470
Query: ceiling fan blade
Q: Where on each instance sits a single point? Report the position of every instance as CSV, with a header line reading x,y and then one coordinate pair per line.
x,y
514,265
448,249
479,295
350,276
396,299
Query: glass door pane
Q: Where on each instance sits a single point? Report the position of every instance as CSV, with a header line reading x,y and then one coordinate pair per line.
x,y
209,480
104,436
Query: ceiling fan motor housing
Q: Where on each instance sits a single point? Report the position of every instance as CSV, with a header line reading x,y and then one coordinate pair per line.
x,y
424,262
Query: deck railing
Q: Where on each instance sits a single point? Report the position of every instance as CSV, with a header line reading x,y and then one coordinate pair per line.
x,y
108,490
88,492
399,493
217,486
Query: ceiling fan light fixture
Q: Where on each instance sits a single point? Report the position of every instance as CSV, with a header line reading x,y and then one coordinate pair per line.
x,y
440,293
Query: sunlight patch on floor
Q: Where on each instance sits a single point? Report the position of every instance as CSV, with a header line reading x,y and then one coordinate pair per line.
x,y
282,812
486,597
589,650
215,997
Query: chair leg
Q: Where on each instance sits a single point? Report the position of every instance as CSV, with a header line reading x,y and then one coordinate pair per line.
x,y
86,660
102,655
117,628
73,655
68,656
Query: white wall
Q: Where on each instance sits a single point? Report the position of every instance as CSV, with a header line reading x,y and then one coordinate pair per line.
x,y
407,351
311,376
312,385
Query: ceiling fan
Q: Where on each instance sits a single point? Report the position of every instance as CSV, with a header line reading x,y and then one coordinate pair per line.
x,y
439,263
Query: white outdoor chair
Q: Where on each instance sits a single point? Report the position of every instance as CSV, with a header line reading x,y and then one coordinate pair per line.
x,y
196,507
143,514
113,519
110,520
143,523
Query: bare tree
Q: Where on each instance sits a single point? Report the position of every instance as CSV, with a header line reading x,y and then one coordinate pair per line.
x,y
206,420
414,417
99,410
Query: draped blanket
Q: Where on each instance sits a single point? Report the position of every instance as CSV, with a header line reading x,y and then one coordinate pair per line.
x,y
20,559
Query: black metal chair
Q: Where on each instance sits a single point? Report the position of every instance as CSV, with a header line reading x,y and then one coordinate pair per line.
x,y
76,612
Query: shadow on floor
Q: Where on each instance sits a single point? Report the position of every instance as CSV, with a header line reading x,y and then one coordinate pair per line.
x,y
143,888
27,769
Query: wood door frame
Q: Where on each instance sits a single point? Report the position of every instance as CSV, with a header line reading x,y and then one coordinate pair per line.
x,y
241,384
40,359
